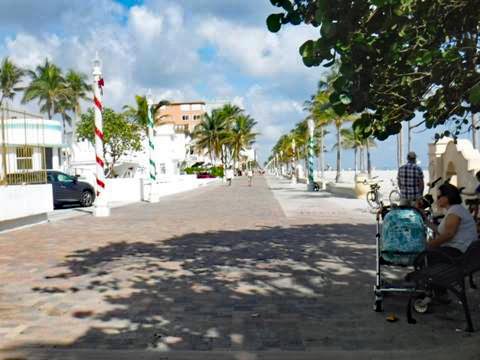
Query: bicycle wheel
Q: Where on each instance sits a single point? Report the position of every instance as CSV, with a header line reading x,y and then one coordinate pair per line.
x,y
394,197
372,200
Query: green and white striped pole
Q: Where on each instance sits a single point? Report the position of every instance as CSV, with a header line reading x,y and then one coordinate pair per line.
x,y
151,145
152,169
311,155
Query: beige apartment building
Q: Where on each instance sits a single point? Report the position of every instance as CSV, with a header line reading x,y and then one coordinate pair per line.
x,y
184,115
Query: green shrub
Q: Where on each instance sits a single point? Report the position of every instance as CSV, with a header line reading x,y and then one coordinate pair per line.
x,y
217,171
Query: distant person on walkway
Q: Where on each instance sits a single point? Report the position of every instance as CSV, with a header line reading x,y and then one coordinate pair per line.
x,y
250,177
410,181
229,175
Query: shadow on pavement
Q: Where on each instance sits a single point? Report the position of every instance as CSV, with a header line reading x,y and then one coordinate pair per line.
x,y
299,288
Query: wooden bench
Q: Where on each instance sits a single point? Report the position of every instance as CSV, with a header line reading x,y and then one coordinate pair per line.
x,y
435,269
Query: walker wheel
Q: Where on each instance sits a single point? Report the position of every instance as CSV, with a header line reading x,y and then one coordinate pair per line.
x,y
378,306
420,306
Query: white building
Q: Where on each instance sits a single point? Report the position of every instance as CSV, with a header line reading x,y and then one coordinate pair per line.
x,y
29,145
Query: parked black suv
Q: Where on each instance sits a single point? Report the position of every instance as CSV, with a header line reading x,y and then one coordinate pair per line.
x,y
67,189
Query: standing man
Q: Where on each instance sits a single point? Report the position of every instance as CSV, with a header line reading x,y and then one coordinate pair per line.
x,y
229,175
410,181
250,177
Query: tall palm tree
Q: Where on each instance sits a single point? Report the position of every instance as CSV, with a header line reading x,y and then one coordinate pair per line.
x,y
78,89
48,87
229,113
139,113
351,142
240,135
208,134
10,77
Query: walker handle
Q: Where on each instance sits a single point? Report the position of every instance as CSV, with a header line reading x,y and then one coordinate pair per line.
x,y
435,182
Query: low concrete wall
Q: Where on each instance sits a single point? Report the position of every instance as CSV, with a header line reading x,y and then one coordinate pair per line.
x,y
342,189
27,203
176,184
123,189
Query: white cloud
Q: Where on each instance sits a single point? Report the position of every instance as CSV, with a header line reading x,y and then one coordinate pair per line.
x,y
156,45
29,51
257,51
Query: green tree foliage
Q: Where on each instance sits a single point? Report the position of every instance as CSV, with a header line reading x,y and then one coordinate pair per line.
x,y
397,57
226,131
240,135
48,87
209,133
139,113
120,135
10,78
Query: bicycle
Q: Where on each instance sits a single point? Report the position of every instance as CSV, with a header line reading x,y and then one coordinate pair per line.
x,y
374,197
394,196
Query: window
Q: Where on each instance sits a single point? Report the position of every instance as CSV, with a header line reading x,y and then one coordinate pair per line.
x,y
197,117
162,169
64,178
48,158
185,117
196,107
24,158
185,107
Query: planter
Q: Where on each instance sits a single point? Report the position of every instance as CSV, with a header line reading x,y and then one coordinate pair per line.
x,y
361,185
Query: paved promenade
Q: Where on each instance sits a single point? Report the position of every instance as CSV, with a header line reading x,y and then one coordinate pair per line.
x,y
245,273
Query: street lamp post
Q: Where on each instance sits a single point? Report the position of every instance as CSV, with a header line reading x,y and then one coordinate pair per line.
x,y
311,155
154,196
101,207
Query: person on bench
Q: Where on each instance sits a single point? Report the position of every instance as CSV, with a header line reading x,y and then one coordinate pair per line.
x,y
457,229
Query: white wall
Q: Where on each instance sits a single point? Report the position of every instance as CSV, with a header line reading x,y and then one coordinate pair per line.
x,y
123,190
19,201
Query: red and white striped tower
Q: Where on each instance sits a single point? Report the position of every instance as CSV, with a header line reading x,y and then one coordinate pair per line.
x,y
101,206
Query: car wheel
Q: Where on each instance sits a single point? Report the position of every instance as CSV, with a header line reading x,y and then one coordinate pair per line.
x,y
86,199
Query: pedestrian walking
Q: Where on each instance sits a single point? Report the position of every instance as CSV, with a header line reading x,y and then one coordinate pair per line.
x,y
410,181
229,175
250,177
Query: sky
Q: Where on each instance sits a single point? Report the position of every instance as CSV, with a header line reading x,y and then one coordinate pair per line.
x,y
211,50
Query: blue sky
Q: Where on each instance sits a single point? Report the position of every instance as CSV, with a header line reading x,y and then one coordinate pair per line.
x,y
214,50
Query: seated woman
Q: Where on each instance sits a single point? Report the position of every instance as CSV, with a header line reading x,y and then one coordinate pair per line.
x,y
457,229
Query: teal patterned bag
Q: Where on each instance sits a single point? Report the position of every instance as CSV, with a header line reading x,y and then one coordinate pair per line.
x,y
403,236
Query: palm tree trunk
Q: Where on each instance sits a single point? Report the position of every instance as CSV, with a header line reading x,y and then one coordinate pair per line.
x,y
369,163
355,160
339,145
400,148
474,130
322,160
409,137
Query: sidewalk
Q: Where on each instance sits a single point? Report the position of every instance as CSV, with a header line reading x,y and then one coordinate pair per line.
x,y
219,273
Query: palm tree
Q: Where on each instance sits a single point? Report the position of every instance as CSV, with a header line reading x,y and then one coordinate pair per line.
x,y
48,87
240,135
10,77
139,113
78,90
321,110
208,134
351,141
228,112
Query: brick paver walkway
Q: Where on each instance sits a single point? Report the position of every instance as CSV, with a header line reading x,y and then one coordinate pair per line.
x,y
219,269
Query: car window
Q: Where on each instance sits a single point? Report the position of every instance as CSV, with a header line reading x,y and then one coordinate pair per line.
x,y
64,178
51,178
